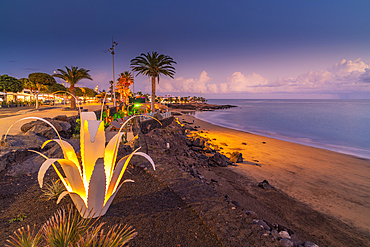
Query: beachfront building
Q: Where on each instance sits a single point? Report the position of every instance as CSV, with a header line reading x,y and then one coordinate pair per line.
x,y
23,96
26,96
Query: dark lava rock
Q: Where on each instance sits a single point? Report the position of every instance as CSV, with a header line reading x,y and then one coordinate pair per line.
x,y
218,160
284,242
158,116
251,214
236,203
236,157
265,185
196,149
264,225
309,244
198,142
63,118
43,129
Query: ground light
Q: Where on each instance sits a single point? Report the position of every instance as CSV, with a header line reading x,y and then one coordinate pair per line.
x,y
94,180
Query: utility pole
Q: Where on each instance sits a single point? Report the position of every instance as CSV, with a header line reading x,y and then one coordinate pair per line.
x,y
111,50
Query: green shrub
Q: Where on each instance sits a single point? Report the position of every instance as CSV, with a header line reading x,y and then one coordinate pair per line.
x,y
20,217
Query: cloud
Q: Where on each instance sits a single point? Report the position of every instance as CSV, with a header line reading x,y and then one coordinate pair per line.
x,y
343,77
236,83
365,77
241,83
180,84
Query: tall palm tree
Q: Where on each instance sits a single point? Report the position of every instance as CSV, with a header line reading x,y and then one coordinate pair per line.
x,y
72,76
153,65
125,80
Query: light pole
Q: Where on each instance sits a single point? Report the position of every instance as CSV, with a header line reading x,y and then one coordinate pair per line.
x,y
111,50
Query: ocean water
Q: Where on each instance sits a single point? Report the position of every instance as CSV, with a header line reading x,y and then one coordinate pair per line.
x,y
338,125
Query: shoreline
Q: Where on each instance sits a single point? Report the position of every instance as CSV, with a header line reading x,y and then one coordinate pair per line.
x,y
357,152
318,177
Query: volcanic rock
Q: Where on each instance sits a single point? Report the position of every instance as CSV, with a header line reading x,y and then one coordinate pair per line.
x,y
265,185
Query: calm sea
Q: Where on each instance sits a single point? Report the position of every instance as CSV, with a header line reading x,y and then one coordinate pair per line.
x,y
338,125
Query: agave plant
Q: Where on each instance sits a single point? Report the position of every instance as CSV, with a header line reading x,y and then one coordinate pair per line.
x,y
93,183
53,190
71,230
25,238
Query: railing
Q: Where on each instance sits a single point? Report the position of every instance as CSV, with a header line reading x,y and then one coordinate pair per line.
x,y
146,116
166,114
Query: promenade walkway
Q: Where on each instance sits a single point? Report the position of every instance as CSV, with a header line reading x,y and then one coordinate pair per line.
x,y
10,117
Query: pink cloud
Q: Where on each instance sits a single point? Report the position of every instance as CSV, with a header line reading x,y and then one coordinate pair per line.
x,y
345,76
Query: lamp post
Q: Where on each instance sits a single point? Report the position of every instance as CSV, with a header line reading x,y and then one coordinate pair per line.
x,y
111,50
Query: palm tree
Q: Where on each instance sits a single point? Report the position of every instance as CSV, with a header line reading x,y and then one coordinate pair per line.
x,y
125,80
152,65
72,76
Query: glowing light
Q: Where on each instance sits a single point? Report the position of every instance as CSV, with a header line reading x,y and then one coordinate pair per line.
x,y
93,184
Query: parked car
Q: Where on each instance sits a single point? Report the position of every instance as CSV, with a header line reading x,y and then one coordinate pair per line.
x,y
48,102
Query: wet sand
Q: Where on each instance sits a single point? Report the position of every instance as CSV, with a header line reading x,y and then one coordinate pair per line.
x,y
332,183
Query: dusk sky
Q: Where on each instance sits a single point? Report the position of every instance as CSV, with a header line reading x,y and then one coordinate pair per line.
x,y
223,49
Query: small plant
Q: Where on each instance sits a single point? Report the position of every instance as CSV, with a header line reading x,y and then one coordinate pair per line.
x,y
78,125
25,238
72,230
53,190
107,119
20,217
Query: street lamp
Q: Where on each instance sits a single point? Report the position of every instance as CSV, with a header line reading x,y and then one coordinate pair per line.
x,y
111,50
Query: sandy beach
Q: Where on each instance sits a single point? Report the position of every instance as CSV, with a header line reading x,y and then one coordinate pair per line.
x,y
332,183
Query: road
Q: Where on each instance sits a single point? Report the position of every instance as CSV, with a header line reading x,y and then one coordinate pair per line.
x,y
8,116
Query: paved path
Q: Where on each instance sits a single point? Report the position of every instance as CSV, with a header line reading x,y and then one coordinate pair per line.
x,y
9,115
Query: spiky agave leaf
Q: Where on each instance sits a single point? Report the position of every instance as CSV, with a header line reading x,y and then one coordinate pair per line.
x,y
25,238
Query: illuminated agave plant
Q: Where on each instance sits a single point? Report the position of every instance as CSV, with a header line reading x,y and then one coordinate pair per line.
x,y
93,184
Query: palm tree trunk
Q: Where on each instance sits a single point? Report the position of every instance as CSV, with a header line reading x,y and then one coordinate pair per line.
x,y
72,89
153,94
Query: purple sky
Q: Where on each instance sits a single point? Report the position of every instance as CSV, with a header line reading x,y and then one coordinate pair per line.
x,y
224,49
